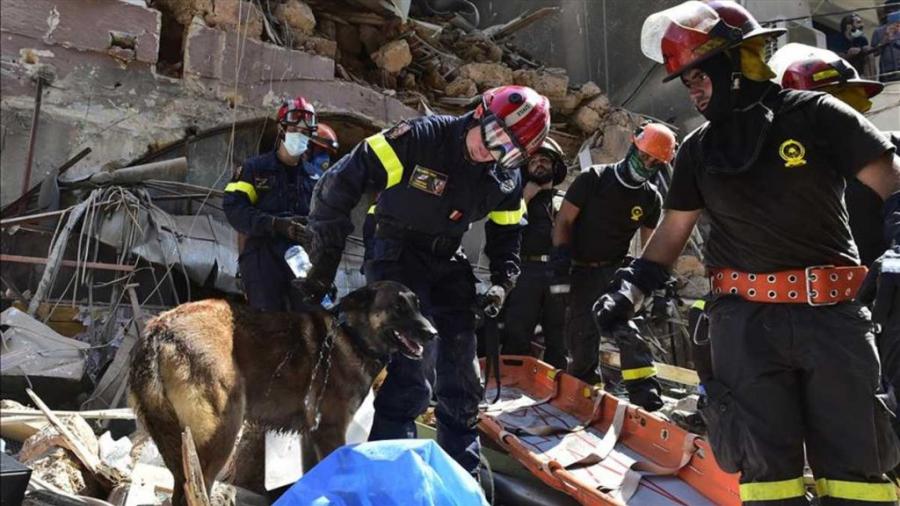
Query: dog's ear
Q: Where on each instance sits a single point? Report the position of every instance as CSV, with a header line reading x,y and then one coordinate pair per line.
x,y
358,299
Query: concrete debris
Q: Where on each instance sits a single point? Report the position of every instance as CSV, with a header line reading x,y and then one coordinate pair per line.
x,y
461,87
393,56
298,16
487,75
553,83
587,120
48,454
236,15
33,349
589,90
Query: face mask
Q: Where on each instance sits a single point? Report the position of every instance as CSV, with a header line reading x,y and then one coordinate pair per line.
x,y
856,34
638,171
295,143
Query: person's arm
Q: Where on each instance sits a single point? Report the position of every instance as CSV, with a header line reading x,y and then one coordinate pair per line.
x,y
503,240
646,233
565,224
670,237
239,205
883,176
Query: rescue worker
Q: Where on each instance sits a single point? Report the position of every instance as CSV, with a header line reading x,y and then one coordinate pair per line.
x,y
803,67
811,68
436,175
794,365
531,301
267,201
323,147
602,210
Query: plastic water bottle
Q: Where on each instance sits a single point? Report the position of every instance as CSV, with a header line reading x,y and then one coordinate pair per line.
x,y
298,261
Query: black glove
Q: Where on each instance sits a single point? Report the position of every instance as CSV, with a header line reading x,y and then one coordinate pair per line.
x,y
645,393
319,281
626,293
881,288
291,228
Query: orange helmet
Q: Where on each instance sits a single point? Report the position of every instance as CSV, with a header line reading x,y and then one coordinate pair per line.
x,y
657,140
326,138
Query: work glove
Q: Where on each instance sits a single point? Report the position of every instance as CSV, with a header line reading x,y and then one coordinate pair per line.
x,y
493,300
292,228
559,266
627,292
319,280
645,393
881,288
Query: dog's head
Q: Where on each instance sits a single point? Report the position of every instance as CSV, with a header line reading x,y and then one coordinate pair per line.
x,y
386,315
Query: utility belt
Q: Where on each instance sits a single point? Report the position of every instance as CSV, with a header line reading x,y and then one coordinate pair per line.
x,y
819,285
438,245
536,258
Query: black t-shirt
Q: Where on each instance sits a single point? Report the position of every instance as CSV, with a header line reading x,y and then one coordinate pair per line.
x,y
610,214
537,238
867,215
787,210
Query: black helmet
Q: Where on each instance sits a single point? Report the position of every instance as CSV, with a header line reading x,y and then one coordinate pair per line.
x,y
551,148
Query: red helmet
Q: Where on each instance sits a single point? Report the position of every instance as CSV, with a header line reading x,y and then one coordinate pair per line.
x,y
514,122
297,111
813,74
326,138
690,33
657,140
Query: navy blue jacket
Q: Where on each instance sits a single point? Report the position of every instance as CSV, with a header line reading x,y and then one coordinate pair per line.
x,y
428,185
264,188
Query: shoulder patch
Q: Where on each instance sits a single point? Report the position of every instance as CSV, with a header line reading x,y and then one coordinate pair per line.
x,y
398,130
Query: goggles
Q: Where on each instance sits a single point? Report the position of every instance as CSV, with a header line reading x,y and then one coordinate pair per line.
x,y
301,118
502,146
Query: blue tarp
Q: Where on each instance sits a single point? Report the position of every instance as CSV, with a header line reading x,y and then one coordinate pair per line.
x,y
407,472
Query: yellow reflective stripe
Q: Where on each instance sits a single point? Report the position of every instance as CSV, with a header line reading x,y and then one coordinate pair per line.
x,y
772,490
825,74
243,187
508,217
371,209
640,373
388,159
700,304
856,490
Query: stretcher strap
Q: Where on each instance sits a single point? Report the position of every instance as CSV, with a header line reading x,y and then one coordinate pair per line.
x,y
550,429
499,406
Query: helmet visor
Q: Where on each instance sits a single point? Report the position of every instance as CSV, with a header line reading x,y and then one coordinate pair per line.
x,y
502,146
691,15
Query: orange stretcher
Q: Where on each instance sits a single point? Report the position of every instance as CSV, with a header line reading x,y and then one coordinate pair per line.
x,y
595,447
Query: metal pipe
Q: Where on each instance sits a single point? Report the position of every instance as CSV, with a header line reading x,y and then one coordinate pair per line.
x,y
34,128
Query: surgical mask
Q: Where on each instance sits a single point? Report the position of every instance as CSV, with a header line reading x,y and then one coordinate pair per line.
x,y
855,34
295,143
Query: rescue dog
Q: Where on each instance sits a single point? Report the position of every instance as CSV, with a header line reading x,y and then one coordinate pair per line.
x,y
208,364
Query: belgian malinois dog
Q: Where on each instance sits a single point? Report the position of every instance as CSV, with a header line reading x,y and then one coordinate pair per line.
x,y
208,364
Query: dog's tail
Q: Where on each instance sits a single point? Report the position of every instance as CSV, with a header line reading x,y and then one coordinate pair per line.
x,y
147,392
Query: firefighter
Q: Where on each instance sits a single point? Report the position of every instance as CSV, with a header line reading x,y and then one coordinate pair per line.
x,y
600,214
266,202
794,366
811,68
531,302
436,175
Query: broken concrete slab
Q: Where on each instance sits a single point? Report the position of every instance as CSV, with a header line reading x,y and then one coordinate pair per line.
x,y
586,119
552,83
63,24
393,56
47,454
461,87
589,90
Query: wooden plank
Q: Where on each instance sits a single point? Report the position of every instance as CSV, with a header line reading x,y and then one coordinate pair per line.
x,y
104,474
21,259
194,488
96,414
663,371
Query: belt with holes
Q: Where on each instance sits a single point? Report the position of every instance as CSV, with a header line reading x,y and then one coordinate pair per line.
x,y
819,285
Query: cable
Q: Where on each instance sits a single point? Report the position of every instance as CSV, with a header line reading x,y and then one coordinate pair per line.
x,y
640,84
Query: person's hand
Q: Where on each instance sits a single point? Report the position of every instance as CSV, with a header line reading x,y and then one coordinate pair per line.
x,y
530,190
612,309
853,51
291,228
493,300
318,281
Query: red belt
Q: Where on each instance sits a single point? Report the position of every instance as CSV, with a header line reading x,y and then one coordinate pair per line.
x,y
820,285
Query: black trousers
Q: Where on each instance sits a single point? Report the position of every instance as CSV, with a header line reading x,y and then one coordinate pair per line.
x,y
529,304
789,377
